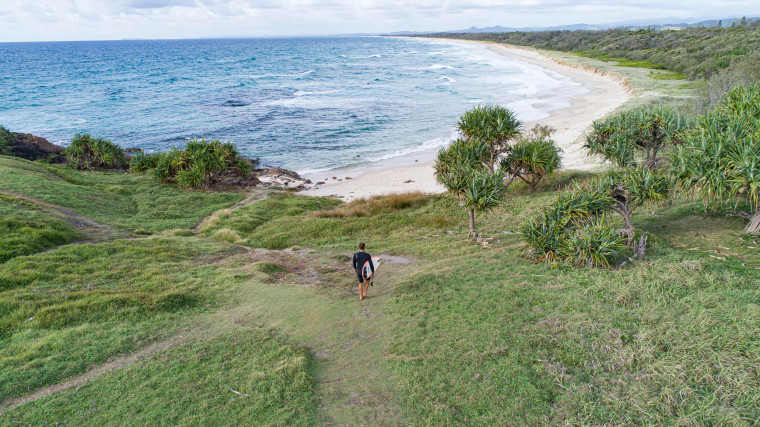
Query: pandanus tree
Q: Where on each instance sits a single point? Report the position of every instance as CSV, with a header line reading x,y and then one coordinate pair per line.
x,y
533,157
88,152
645,132
494,125
201,163
629,189
720,160
463,169
573,228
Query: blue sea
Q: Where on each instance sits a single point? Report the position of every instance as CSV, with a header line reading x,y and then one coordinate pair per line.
x,y
307,104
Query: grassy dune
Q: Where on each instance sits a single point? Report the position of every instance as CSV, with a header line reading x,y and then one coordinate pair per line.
x,y
253,318
125,201
25,230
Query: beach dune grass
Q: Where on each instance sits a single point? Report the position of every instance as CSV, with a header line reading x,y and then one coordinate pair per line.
x,y
120,200
65,311
475,334
482,335
25,230
242,377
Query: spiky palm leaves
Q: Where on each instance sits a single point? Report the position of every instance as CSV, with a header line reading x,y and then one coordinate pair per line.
x,y
630,189
573,229
457,163
720,160
492,124
648,130
484,191
533,157
6,139
87,152
200,163
463,169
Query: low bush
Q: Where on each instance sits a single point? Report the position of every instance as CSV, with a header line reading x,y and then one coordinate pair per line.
x,y
572,228
88,152
142,162
547,236
201,164
6,139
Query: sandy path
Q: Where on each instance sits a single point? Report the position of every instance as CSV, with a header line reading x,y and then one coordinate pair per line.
x,y
605,94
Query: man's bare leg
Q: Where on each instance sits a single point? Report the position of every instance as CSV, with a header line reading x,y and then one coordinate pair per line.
x,y
366,287
361,291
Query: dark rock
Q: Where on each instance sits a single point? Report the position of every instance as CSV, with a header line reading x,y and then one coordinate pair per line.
x,y
132,150
31,147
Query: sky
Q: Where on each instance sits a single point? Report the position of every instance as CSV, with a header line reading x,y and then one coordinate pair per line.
x,y
42,20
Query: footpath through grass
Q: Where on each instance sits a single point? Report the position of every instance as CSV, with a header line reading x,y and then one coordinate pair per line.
x,y
131,202
25,230
459,333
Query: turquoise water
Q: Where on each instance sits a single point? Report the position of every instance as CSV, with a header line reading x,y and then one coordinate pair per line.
x,y
307,104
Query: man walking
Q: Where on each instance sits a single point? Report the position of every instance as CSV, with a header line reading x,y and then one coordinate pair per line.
x,y
361,258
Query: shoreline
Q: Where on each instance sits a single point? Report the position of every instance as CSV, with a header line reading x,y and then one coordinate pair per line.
x,y
414,172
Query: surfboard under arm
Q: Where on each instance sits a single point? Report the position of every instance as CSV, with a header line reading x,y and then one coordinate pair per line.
x,y
367,270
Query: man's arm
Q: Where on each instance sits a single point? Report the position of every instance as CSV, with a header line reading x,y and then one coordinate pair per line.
x,y
354,261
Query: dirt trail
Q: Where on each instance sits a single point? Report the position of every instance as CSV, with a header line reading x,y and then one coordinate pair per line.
x,y
348,337
94,231
252,197
319,310
112,365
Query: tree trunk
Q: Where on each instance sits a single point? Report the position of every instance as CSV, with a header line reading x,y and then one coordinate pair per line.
x,y
473,233
754,224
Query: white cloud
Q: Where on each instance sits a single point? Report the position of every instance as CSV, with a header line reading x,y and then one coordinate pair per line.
x,y
113,19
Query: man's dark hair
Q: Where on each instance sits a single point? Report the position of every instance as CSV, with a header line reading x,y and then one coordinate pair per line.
x,y
361,246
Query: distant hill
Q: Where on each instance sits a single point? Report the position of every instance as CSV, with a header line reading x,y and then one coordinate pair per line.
x,y
661,23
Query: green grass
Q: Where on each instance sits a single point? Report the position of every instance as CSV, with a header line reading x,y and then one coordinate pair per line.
x,y
25,230
65,311
193,385
246,219
481,335
403,229
125,201
623,62
462,334
667,76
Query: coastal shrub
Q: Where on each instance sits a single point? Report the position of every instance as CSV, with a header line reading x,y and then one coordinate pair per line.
x,y
492,124
646,131
375,205
572,227
627,190
484,191
88,152
201,164
6,139
546,236
595,245
533,157
456,164
142,162
720,161
463,169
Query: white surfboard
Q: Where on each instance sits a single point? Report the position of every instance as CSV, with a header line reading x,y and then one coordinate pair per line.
x,y
367,272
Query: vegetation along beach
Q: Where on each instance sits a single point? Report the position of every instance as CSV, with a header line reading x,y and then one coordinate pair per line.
x,y
566,216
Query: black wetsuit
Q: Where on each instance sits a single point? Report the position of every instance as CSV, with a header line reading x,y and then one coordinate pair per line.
x,y
359,259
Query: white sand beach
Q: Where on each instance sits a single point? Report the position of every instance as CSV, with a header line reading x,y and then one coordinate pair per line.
x,y
415,172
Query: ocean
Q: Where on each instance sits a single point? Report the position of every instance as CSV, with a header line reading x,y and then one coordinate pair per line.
x,y
306,104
